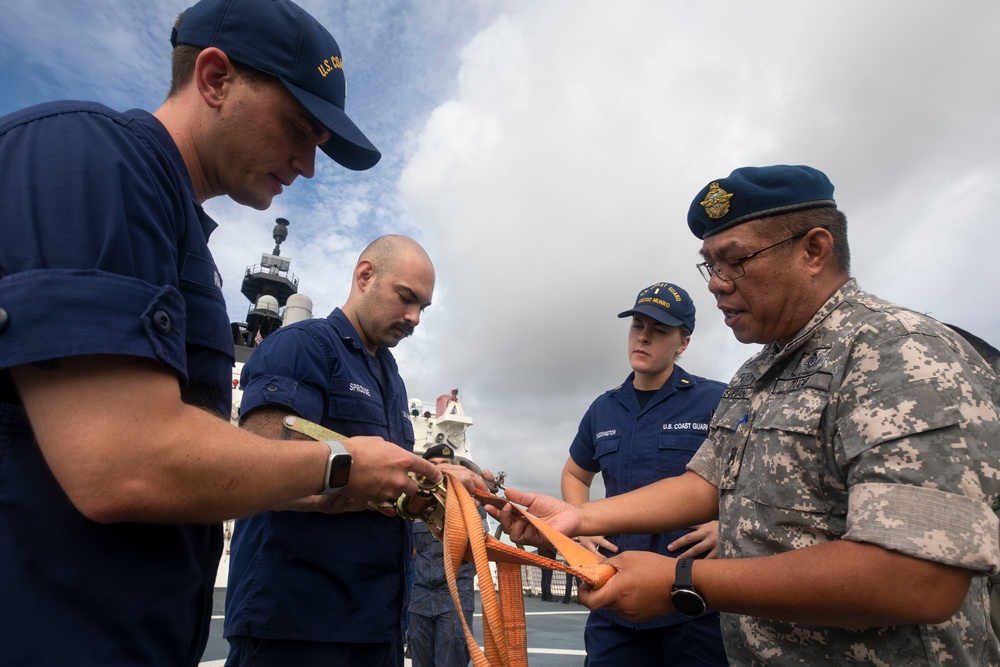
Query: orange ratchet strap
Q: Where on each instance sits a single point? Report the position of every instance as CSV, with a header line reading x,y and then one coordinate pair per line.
x,y
504,631
450,513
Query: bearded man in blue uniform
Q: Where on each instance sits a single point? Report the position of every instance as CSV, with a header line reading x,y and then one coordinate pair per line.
x,y
640,432
312,588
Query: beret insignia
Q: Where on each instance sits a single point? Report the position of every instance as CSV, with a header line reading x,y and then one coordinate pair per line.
x,y
716,202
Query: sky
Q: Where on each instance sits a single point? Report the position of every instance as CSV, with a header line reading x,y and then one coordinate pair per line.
x,y
545,153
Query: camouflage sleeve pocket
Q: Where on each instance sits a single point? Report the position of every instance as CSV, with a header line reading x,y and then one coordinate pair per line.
x,y
910,409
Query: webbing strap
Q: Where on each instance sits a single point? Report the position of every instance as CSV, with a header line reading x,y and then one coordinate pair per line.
x,y
504,631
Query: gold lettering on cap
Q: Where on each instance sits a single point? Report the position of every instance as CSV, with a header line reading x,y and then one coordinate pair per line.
x,y
332,63
716,202
653,300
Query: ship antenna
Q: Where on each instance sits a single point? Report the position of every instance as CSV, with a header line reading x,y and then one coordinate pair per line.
x,y
280,233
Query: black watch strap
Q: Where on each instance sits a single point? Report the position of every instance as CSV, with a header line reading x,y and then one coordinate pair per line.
x,y
684,597
682,576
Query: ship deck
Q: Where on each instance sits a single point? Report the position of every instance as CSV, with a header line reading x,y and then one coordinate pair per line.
x,y
555,631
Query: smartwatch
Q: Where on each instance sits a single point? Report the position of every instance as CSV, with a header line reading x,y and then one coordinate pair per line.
x,y
684,596
338,468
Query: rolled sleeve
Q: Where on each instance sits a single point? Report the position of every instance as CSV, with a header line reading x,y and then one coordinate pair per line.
x,y
64,313
288,369
705,464
275,390
926,523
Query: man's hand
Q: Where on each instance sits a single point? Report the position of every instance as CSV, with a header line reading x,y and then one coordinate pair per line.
x,y
380,470
560,515
639,591
468,478
703,539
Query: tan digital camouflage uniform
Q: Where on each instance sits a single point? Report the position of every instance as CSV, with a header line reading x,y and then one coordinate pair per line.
x,y
875,424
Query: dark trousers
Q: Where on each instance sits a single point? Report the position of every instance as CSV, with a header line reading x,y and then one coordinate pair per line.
x,y
693,643
252,652
546,584
568,595
438,641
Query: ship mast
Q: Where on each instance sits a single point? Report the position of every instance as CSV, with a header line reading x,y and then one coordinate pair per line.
x,y
273,294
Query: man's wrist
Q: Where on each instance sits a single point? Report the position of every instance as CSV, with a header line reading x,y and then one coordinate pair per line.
x,y
684,597
338,467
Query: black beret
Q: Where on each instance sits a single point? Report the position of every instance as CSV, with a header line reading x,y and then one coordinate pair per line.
x,y
750,193
442,451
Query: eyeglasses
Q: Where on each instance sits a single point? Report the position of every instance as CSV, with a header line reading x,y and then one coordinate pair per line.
x,y
729,270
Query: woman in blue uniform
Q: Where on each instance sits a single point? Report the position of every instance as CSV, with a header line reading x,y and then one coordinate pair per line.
x,y
642,431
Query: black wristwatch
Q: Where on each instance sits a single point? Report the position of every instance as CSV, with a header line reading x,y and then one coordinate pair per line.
x,y
684,596
338,468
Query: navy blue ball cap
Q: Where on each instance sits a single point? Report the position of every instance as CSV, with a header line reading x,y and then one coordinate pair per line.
x,y
750,193
666,303
279,38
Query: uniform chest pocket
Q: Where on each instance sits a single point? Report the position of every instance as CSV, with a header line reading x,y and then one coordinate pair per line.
x,y
606,451
787,464
409,436
730,441
358,405
674,450
207,322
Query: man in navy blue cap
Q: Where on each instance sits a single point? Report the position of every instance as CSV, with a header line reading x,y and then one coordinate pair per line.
x,y
642,431
117,461
851,462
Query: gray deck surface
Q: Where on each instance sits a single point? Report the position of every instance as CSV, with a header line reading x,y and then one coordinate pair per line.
x,y
555,632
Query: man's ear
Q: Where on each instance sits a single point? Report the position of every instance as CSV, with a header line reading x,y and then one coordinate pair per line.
x,y
213,74
818,246
364,273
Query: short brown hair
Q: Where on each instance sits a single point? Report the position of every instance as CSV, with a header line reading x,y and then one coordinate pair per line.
x,y
182,61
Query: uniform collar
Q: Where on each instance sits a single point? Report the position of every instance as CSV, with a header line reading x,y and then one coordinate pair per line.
x,y
844,293
338,320
679,380
162,136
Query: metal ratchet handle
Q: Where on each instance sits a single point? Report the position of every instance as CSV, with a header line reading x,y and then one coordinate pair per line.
x,y
307,428
494,485
426,505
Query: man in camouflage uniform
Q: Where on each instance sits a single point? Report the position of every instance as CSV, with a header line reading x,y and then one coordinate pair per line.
x,y
849,461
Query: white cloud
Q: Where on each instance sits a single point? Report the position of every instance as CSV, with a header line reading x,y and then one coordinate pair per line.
x,y
555,182
546,152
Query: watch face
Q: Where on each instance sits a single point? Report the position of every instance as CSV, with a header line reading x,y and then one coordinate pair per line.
x,y
340,471
687,602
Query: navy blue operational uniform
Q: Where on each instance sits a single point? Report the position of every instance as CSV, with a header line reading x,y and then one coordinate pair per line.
x,y
104,252
633,446
436,637
306,579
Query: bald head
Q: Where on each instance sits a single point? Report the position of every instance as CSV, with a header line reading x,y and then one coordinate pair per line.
x,y
386,251
393,283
